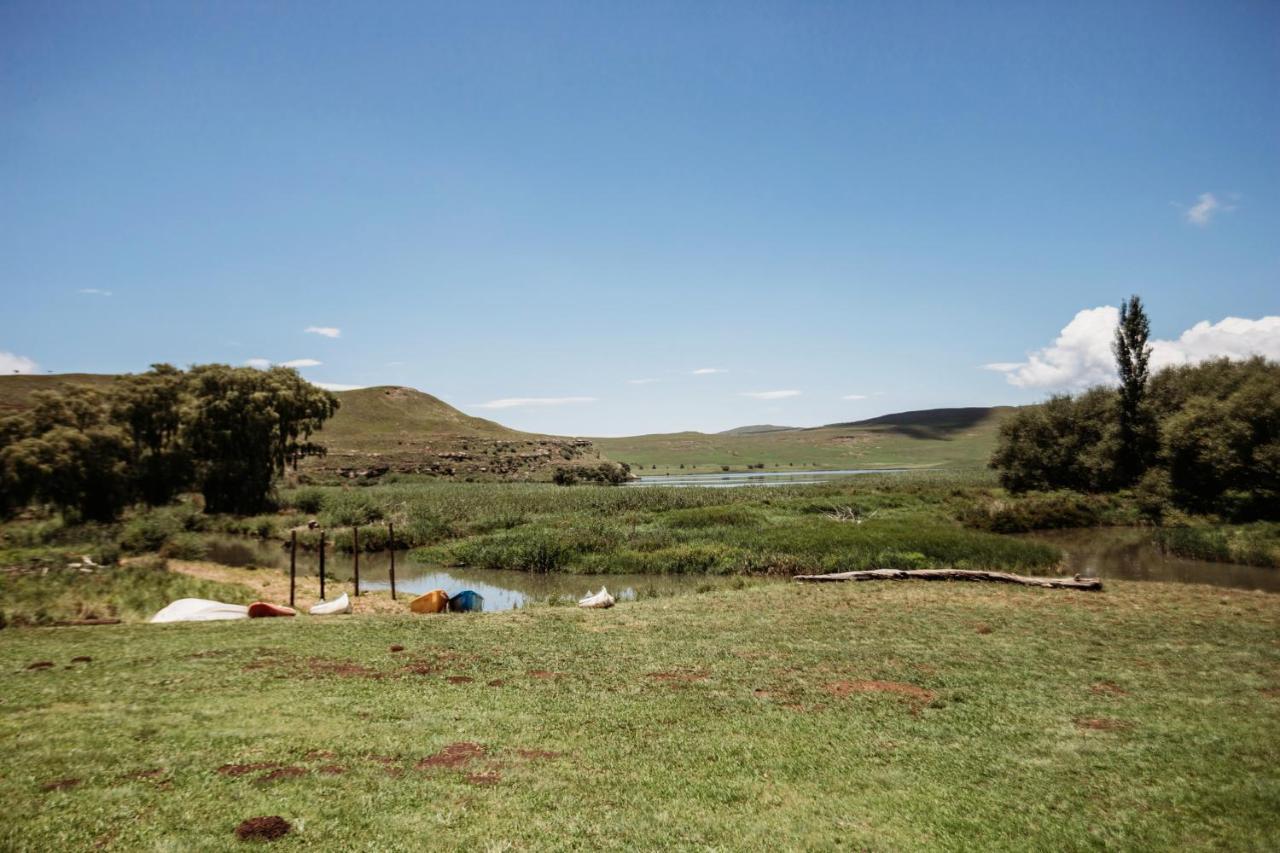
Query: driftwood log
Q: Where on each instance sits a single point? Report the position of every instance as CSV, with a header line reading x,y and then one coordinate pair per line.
x,y
71,623
1076,582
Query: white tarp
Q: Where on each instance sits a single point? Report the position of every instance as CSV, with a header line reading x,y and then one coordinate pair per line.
x,y
601,599
341,604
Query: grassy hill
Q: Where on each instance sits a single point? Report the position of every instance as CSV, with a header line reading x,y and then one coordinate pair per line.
x,y
393,429
956,438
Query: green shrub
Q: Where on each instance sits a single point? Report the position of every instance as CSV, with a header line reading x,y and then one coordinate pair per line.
x,y
310,500
184,546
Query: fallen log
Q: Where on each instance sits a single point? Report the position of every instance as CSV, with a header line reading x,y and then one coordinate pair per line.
x,y
72,623
1076,582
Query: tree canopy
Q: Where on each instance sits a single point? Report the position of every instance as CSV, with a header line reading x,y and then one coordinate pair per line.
x,y
225,431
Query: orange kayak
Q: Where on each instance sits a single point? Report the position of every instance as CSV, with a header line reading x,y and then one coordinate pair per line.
x,y
433,602
264,608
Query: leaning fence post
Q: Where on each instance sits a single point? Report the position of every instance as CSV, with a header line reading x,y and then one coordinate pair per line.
x,y
355,549
293,565
322,565
391,546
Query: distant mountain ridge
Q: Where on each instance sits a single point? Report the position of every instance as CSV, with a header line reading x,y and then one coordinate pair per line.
x,y
754,429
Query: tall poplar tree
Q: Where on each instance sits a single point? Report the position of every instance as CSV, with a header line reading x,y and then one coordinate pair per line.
x,y
1132,356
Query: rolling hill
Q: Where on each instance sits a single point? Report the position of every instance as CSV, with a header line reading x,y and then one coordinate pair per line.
x,y
389,429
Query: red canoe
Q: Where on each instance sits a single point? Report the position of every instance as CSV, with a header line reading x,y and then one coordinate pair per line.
x,y
264,608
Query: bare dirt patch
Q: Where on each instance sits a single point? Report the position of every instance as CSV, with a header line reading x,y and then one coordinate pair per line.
x,y
497,682
60,784
983,628
81,659
459,679
40,664
263,828
454,755
397,648
1100,724
282,773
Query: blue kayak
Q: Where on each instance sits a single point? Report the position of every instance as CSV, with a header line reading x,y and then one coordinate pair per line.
x,y
467,601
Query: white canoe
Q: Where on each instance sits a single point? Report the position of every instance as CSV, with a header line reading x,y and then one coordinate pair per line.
x,y
600,599
200,610
341,604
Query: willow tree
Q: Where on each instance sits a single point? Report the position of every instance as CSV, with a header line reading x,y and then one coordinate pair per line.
x,y
243,427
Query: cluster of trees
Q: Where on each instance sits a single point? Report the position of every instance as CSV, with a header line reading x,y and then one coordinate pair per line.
x,y
1205,437
226,432
604,473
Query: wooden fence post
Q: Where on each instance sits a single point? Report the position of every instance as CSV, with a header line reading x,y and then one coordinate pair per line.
x,y
391,546
355,550
293,565
322,565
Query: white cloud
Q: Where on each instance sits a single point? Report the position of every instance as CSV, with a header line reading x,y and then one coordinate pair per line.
x,y
93,291
707,371
300,362
1206,207
641,381
11,363
516,402
769,395
264,363
326,331
854,397
260,363
337,386
1081,355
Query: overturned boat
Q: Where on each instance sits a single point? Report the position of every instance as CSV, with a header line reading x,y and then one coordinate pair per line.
x,y
200,610
467,601
341,604
432,602
263,609
600,600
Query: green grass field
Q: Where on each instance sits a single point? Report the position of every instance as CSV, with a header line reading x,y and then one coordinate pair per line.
x,y
868,716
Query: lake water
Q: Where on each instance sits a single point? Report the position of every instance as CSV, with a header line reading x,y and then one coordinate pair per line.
x,y
729,480
501,590
1127,553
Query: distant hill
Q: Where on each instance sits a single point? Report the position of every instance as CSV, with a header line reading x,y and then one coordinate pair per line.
x,y
952,438
16,389
752,430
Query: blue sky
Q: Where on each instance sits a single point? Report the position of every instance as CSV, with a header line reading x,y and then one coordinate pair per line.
x,y
877,206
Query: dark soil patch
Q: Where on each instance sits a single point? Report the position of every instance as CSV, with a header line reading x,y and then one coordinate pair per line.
x,y
282,773
332,770
454,755
491,777
497,682
81,659
245,769
459,679
983,628
397,648
538,754
1100,724
60,784
40,664
263,828
1270,692
686,677
907,691
1108,688
421,668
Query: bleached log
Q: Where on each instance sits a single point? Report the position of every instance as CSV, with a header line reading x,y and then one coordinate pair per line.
x,y
1076,582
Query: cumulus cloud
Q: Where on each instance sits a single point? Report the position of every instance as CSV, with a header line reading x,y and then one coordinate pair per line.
x,y
337,386
707,371
93,291
11,363
769,395
326,331
517,402
1206,207
300,362
1081,355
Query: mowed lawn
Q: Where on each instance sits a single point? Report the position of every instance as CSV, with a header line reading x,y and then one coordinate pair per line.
x,y
867,716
